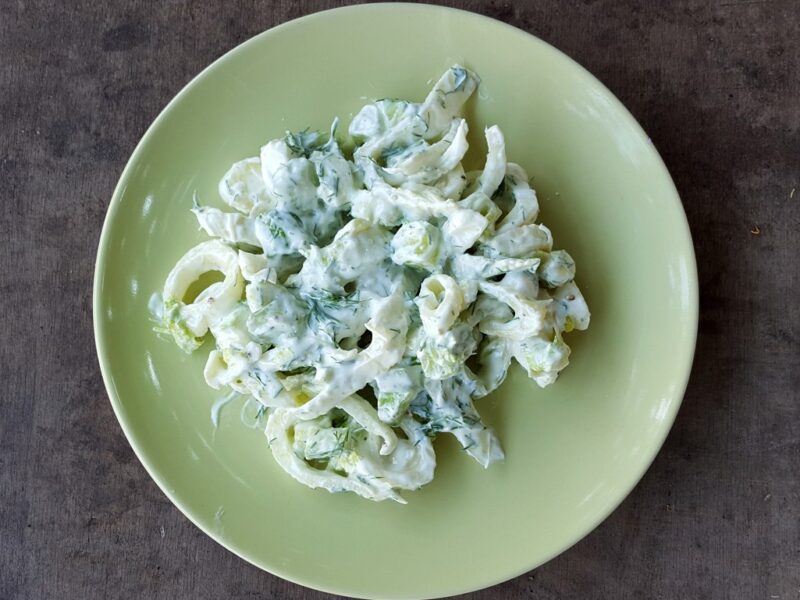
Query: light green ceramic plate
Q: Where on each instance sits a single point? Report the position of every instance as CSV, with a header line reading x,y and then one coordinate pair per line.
x,y
573,450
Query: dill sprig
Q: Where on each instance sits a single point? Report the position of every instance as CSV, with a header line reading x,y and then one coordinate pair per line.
x,y
326,307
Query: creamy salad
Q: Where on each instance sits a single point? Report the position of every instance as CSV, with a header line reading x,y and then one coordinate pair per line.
x,y
369,297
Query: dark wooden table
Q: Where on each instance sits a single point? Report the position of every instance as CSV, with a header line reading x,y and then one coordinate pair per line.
x,y
717,87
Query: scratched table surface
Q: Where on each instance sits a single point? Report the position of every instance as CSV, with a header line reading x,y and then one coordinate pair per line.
x,y
717,87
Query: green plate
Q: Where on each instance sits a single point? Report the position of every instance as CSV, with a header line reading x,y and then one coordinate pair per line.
x,y
573,450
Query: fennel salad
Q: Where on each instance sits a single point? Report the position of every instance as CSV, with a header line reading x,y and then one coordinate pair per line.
x,y
372,291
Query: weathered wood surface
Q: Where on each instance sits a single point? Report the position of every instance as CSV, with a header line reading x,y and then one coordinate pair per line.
x,y
717,87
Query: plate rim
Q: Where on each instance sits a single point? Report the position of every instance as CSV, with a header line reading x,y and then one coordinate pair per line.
x,y
691,311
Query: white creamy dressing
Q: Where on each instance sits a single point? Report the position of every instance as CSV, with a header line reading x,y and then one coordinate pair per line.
x,y
383,271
